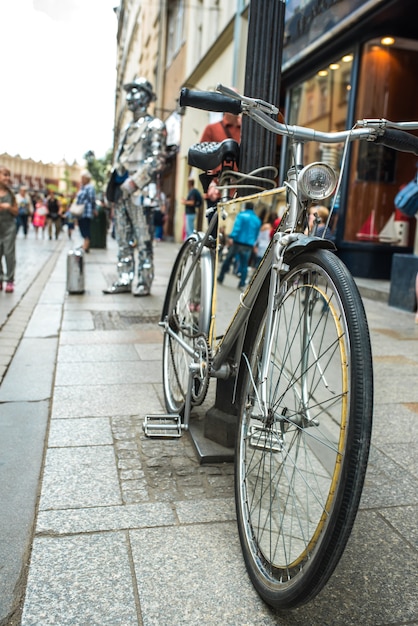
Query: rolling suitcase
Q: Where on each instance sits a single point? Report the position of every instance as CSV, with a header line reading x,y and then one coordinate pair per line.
x,y
75,271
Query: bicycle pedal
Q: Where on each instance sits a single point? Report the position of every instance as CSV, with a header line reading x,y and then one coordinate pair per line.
x,y
163,425
264,440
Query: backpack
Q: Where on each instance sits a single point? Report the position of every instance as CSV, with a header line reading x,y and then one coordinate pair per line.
x,y
406,200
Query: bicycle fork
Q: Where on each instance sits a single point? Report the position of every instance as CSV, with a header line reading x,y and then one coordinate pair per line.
x,y
277,291
280,243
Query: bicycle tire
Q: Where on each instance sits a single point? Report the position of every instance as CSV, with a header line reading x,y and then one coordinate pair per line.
x,y
187,313
299,472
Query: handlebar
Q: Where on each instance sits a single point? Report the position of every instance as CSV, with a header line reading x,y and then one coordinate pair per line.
x,y
399,140
380,131
209,101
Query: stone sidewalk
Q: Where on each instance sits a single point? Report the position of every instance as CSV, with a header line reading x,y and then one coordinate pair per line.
x,y
134,531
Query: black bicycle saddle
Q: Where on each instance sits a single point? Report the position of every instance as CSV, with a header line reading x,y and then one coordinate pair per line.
x,y
209,154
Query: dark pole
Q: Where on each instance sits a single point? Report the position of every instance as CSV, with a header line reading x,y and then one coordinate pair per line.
x,y
262,78
258,148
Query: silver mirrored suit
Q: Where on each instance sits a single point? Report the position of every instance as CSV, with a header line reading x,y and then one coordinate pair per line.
x,y
139,161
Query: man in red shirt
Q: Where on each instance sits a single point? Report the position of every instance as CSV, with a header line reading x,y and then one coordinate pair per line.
x,y
228,127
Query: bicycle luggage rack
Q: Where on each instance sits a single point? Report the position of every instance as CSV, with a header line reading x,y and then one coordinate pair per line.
x,y
163,425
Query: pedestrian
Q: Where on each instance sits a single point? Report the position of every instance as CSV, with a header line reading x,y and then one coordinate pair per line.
x,y
228,127
132,189
241,242
192,202
70,223
25,210
86,196
212,197
317,222
264,235
8,214
159,216
39,216
53,218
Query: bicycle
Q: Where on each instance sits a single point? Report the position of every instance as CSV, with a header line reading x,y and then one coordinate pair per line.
x,y
298,349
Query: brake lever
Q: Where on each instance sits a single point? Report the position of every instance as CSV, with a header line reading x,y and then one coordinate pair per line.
x,y
248,103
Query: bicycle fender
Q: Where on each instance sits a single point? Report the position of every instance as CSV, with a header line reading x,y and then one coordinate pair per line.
x,y
306,242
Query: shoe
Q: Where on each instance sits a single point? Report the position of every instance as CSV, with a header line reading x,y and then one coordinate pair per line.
x,y
141,290
10,287
118,288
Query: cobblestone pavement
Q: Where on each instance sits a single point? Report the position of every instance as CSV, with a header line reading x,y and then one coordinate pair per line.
x,y
153,470
114,528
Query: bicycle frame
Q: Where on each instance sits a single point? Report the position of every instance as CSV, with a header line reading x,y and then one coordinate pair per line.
x,y
273,261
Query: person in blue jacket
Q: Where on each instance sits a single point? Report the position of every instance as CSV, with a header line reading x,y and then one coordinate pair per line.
x,y
241,242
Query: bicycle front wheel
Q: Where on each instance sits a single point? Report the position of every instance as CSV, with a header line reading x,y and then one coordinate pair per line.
x,y
304,429
187,314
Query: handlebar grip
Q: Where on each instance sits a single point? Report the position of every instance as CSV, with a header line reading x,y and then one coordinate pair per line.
x,y
399,140
209,101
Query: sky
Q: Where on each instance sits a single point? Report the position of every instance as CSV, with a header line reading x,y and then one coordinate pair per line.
x,y
58,75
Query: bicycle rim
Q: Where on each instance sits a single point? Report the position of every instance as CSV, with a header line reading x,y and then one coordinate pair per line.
x,y
301,458
188,316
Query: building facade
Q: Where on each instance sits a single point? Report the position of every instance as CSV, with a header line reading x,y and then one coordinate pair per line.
x,y
342,60
38,177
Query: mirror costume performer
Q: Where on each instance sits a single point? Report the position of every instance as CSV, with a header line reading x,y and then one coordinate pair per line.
x,y
133,190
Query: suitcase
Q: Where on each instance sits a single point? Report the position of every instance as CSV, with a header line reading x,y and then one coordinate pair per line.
x,y
75,271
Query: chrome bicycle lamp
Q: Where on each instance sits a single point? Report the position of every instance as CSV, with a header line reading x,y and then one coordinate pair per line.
x,y
317,181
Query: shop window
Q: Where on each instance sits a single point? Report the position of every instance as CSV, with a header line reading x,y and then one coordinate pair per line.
x,y
387,88
321,102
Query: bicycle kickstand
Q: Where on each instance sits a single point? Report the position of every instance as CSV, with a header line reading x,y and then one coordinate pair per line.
x,y
171,425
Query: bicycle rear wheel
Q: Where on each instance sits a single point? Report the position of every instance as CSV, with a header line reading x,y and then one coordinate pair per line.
x,y
187,311
301,457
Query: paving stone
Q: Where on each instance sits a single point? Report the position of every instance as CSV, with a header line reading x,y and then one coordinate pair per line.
x,y
404,520
383,486
93,373
33,363
394,423
80,580
166,562
45,321
80,477
101,400
104,518
200,511
96,353
94,431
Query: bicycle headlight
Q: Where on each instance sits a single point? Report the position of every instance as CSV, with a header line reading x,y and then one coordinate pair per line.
x,y
317,181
